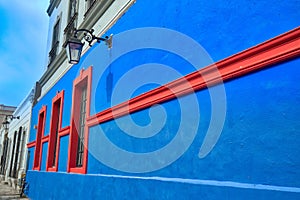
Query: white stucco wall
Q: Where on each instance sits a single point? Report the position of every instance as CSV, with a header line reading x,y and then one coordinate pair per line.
x,y
24,112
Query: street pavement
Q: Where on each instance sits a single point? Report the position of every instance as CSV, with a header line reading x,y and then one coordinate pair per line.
x,y
7,192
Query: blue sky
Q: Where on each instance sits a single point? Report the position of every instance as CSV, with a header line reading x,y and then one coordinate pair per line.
x,y
23,37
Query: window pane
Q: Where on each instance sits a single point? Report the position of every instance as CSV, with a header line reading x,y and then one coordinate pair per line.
x,y
81,126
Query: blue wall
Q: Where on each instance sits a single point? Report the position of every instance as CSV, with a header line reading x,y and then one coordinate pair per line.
x,y
260,140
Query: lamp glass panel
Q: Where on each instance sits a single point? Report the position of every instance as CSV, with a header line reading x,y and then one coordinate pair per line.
x,y
74,51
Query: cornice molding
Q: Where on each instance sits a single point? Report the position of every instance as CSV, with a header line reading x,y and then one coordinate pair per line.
x,y
281,48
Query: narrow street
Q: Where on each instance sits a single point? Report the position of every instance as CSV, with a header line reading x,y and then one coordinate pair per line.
x,y
7,192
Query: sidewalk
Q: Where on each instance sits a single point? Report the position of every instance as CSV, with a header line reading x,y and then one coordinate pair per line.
x,y
7,192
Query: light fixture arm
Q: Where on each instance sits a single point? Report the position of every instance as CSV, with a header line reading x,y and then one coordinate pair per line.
x,y
11,117
74,45
89,36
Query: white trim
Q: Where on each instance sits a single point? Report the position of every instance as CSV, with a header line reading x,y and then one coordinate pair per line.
x,y
232,184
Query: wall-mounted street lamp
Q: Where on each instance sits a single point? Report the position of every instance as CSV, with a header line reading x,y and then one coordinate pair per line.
x,y
6,123
74,45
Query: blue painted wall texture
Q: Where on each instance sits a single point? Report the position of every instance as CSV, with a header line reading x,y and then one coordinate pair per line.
x,y
259,143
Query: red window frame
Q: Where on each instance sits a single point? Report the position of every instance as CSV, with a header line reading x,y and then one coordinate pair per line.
x,y
57,108
38,141
83,80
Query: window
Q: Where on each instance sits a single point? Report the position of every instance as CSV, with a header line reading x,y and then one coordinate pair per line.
x,y
38,141
12,154
4,155
72,9
55,126
23,149
89,4
72,19
15,166
80,112
55,41
81,126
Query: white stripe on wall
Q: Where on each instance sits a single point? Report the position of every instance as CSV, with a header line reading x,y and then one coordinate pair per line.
x,y
209,183
232,184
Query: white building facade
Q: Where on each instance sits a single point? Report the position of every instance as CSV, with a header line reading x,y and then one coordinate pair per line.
x,y
14,151
5,114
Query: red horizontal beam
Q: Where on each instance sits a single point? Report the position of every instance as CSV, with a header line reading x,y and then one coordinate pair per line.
x,y
45,139
64,131
279,49
31,144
